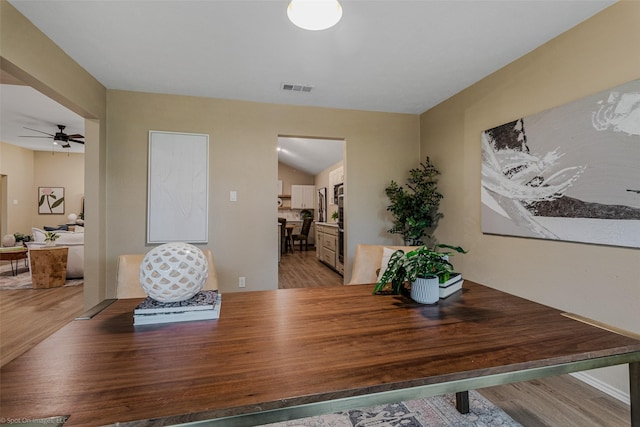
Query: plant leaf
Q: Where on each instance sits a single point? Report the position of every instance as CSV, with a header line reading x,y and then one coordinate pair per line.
x,y
57,203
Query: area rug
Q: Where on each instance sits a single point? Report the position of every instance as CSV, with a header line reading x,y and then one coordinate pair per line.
x,y
438,411
23,279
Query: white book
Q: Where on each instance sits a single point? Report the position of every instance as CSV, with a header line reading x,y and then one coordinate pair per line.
x,y
453,278
203,300
184,316
451,288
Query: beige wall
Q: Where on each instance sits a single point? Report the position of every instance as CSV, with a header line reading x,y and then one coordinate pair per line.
x,y
26,53
599,282
17,164
243,158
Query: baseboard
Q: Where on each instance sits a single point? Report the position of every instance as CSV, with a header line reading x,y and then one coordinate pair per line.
x,y
603,387
89,314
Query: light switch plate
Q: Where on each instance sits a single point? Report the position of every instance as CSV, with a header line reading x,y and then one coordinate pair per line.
x,y
233,196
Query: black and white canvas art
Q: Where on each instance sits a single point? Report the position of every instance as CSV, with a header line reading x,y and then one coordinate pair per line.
x,y
570,173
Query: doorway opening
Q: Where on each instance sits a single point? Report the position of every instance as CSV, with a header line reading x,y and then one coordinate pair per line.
x,y
310,172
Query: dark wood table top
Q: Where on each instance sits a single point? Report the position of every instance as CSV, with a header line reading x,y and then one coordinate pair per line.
x,y
13,254
278,349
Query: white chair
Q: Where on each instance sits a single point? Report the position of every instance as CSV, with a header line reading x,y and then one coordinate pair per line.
x,y
128,275
370,259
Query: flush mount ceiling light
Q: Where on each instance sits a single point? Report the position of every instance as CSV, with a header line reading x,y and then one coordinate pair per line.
x,y
314,14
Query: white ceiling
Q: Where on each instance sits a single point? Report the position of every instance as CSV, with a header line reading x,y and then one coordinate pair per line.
x,y
390,56
308,155
22,106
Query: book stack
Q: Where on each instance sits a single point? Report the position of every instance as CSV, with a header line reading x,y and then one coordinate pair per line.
x,y
452,285
205,305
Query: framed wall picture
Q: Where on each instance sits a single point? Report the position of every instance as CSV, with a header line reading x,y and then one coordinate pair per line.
x,y
51,200
322,204
177,199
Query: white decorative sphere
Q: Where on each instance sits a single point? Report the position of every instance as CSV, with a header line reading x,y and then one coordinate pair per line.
x,y
8,240
72,218
173,272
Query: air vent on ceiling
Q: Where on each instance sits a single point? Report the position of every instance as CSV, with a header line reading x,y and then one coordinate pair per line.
x,y
296,87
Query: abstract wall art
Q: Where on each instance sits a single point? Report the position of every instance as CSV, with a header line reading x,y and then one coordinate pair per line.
x,y
571,173
178,187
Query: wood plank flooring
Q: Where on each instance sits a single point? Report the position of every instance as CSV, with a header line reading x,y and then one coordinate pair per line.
x,y
28,316
304,270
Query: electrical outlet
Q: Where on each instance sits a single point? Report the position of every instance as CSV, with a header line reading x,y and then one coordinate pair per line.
x,y
242,282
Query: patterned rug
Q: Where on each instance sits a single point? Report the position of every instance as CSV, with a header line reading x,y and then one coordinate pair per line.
x,y
438,411
23,279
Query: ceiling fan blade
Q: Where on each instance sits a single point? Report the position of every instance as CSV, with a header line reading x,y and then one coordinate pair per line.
x,y
36,130
31,136
76,135
75,140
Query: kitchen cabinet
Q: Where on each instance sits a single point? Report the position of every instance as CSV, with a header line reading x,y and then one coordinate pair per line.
x,y
327,244
303,196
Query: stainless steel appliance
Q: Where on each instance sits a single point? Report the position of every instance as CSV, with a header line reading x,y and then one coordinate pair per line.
x,y
339,192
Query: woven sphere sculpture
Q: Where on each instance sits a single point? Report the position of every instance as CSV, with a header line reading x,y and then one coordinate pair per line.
x,y
8,240
173,272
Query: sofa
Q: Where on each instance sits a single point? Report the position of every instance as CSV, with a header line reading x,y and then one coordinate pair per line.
x,y
74,240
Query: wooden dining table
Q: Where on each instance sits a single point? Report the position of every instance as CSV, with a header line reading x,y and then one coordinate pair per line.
x,y
290,353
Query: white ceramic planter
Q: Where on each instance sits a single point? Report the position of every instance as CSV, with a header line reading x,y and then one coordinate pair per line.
x,y
425,291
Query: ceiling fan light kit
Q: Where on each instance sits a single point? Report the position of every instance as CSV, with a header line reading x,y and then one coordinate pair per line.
x,y
314,15
59,138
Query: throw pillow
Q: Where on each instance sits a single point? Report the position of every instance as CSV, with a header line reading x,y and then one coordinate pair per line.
x,y
58,228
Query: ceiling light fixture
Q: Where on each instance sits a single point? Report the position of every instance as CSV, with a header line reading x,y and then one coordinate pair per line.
x,y
314,15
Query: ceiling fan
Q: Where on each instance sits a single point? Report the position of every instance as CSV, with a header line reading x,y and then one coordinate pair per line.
x,y
59,137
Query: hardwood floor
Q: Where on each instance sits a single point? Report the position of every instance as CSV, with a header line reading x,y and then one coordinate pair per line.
x,y
29,316
558,401
304,270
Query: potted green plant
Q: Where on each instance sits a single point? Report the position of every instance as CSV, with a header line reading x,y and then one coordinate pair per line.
x,y
421,263
415,209
22,238
50,238
334,216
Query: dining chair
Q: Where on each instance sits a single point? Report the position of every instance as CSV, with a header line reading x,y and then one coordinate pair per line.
x,y
304,234
370,260
128,275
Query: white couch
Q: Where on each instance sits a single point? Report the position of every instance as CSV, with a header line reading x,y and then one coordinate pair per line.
x,y
74,240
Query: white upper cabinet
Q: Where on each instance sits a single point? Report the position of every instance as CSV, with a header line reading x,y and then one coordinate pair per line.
x,y
303,196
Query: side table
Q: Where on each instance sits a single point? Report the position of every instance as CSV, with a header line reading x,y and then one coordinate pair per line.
x,y
48,267
15,253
